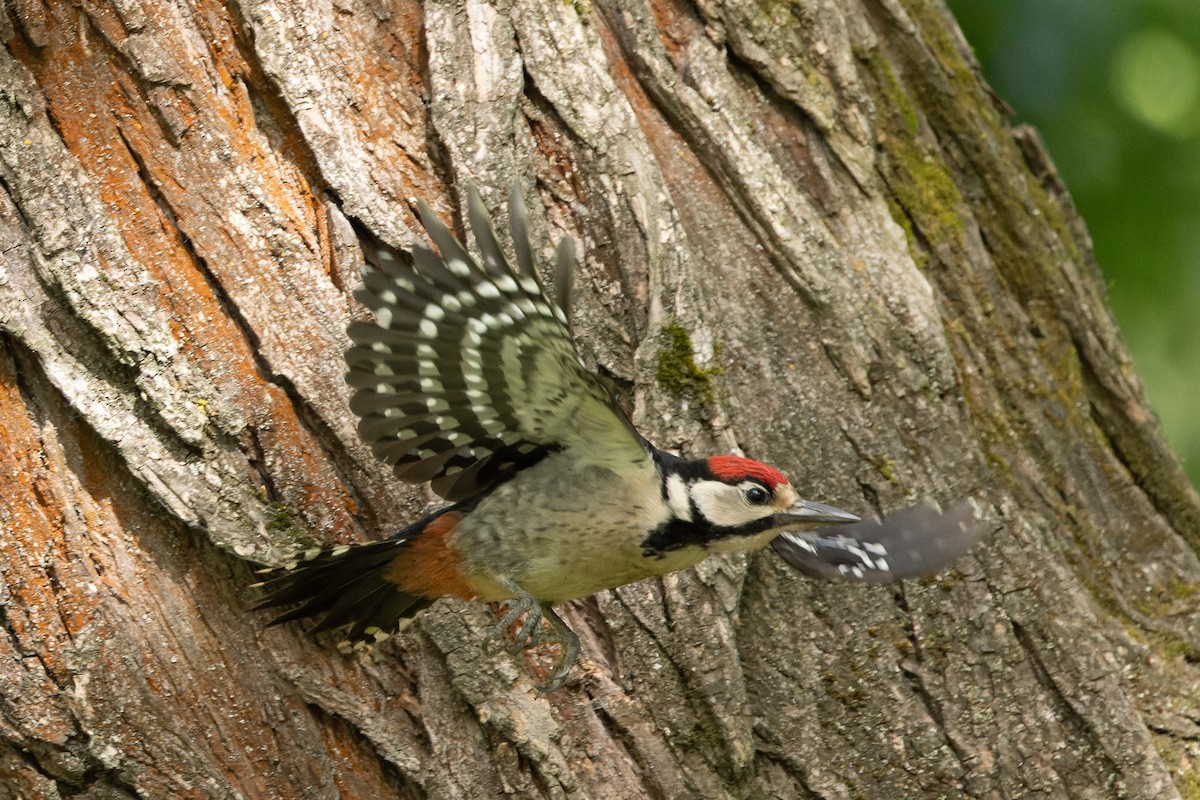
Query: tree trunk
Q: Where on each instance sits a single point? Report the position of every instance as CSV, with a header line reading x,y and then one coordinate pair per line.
x,y
811,235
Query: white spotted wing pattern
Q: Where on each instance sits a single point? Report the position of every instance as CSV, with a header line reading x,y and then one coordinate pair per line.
x,y
469,372
915,542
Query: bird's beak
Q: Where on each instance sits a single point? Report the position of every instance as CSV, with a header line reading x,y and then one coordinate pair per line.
x,y
806,512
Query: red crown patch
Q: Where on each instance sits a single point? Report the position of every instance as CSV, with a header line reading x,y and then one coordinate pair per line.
x,y
736,468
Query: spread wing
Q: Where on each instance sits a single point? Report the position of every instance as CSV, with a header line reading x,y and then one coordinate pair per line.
x,y
918,541
469,372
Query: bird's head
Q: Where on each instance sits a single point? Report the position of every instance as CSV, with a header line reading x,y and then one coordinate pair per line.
x,y
729,503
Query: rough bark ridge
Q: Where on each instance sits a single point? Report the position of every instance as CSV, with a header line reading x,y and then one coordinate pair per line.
x,y
811,234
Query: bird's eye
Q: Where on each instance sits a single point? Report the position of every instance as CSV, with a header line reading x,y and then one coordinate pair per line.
x,y
757,496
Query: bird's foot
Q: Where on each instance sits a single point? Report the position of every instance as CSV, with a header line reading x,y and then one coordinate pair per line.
x,y
530,635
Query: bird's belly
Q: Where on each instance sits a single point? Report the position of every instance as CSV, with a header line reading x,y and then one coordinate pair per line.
x,y
560,563
598,561
538,538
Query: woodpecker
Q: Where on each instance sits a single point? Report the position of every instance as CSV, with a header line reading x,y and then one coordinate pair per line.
x,y
469,379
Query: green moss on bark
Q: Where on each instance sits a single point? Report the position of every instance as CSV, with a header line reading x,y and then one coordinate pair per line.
x,y
678,373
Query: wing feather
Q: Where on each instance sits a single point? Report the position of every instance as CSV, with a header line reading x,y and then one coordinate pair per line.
x,y
518,226
469,373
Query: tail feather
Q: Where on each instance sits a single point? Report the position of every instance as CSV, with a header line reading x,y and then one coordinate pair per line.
x,y
399,607
356,606
348,588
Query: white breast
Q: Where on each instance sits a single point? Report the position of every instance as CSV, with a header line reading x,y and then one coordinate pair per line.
x,y
561,538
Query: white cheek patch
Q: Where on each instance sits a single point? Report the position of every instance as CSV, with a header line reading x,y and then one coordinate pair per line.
x,y
678,499
723,505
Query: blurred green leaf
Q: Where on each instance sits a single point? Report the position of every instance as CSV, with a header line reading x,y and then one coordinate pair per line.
x,y
1114,87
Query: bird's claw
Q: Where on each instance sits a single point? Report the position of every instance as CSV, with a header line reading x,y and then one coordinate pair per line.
x,y
498,633
530,635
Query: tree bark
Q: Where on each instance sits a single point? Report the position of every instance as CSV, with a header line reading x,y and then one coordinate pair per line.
x,y
811,234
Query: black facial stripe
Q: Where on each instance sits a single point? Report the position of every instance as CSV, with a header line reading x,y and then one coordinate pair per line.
x,y
673,535
677,533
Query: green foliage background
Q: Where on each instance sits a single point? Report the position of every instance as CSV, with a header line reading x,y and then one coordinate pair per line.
x,y
1114,87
